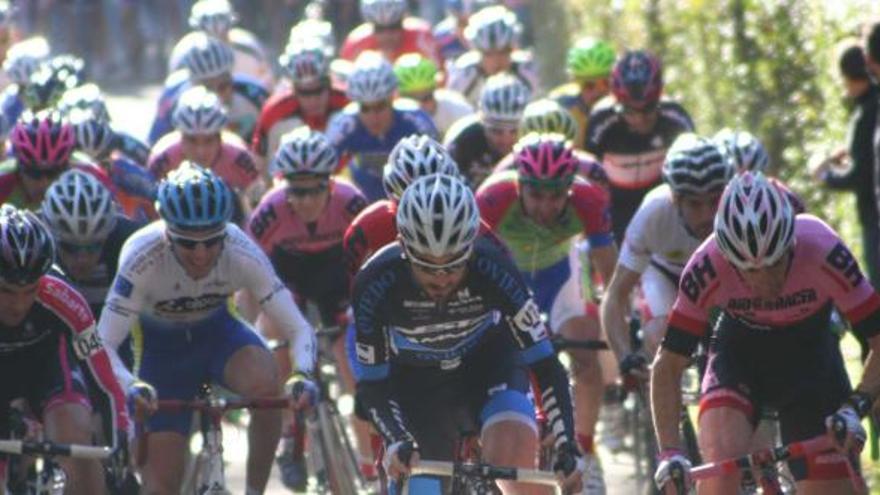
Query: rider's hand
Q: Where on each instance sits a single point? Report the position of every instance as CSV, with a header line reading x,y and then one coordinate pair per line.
x,y
673,472
142,399
399,458
302,390
634,365
570,468
846,430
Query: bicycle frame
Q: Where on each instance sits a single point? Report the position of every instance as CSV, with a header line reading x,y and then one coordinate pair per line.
x,y
484,471
51,479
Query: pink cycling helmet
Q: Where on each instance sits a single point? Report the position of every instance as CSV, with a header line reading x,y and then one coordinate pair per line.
x,y
545,158
43,140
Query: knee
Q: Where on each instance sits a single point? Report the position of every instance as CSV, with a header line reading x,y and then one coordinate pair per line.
x,y
584,366
69,423
724,435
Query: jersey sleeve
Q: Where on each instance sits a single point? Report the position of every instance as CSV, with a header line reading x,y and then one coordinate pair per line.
x,y
635,254
689,317
593,207
493,200
851,291
86,344
131,147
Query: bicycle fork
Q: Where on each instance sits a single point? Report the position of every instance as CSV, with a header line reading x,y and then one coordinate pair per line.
x,y
211,476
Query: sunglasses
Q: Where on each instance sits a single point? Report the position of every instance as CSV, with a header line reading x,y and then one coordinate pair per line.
x,y
388,27
422,97
37,173
301,192
190,244
310,92
375,107
429,268
550,188
218,86
73,248
648,110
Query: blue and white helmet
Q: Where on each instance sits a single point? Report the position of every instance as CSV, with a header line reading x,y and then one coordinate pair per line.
x,y
503,99
194,198
24,58
200,112
413,157
304,151
492,28
438,216
215,17
94,136
208,57
79,209
372,79
86,97
745,150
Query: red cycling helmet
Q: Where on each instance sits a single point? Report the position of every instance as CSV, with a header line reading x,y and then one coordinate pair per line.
x,y
545,159
637,79
43,140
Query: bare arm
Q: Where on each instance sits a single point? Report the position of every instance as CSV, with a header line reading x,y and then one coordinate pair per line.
x,y
666,397
870,382
613,310
605,258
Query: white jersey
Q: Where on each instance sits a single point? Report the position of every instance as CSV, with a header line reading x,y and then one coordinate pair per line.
x,y
250,57
466,76
151,283
451,106
657,235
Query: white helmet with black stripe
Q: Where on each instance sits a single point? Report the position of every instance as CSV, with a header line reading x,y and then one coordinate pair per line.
x,y
199,111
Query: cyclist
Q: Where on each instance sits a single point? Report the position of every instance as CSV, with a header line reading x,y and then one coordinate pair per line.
x,y
366,131
50,353
449,32
311,101
492,35
671,223
480,141
199,119
390,32
537,211
631,134
210,62
217,18
546,116
300,225
463,329
417,78
776,276
22,60
175,280
42,145
588,64
134,186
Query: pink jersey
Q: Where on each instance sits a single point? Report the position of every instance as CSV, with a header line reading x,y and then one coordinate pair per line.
x,y
275,226
822,271
234,163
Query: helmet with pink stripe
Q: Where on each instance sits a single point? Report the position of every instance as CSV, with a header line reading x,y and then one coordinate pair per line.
x,y
545,159
43,140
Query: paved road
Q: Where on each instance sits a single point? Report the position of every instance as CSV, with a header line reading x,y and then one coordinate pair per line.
x,y
132,109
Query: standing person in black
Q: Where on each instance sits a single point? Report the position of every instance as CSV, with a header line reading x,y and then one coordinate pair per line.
x,y
859,175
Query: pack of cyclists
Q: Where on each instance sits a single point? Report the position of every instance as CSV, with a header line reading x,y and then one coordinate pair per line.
x,y
428,196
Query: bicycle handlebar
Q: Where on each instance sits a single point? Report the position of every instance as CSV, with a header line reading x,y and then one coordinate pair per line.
x,y
220,404
562,343
51,449
444,468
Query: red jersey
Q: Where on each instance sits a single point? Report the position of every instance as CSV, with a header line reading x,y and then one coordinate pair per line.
x,y
417,37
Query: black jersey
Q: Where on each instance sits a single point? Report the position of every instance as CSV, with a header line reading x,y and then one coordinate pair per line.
x,y
467,143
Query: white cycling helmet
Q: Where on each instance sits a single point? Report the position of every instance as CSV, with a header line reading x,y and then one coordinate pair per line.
x,y
305,62
744,149
438,216
313,29
199,111
94,136
24,58
413,157
372,79
86,97
696,165
79,209
503,99
383,12
215,17
492,28
304,151
207,57
754,225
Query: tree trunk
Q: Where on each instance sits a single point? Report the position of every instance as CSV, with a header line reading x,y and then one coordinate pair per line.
x,y
550,25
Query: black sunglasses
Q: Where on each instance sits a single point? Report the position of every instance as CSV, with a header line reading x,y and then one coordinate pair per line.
x,y
310,92
73,248
307,191
37,173
190,244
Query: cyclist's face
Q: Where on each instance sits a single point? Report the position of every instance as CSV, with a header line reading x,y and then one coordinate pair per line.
x,y
201,149
197,252
308,196
439,284
79,261
544,205
593,91
495,61
36,182
313,98
426,100
502,138
640,121
388,38
376,116
698,212
768,282
15,302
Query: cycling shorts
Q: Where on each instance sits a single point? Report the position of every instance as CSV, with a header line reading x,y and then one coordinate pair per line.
x,y
558,290
47,376
797,370
315,278
659,289
178,358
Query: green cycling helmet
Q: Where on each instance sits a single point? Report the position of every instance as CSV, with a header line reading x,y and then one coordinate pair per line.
x,y
590,58
415,73
546,116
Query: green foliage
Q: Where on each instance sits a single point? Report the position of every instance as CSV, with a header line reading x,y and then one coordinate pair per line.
x,y
767,66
